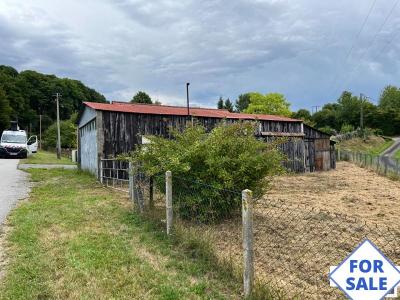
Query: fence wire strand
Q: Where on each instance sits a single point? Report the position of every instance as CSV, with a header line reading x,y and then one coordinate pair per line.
x,y
294,245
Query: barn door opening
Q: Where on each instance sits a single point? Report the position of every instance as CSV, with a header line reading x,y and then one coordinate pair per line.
x,y
322,155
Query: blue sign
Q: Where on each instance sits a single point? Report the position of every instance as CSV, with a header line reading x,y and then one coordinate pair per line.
x,y
366,274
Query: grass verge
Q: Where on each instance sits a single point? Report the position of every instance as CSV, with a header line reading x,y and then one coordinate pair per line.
x,y
397,155
374,145
77,240
45,157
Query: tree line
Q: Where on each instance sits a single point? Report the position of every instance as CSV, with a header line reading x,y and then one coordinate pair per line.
x,y
348,113
26,95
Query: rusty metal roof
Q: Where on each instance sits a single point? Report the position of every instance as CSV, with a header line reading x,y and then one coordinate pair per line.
x,y
154,109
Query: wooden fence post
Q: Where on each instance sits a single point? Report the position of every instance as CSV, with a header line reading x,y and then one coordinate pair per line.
x,y
248,252
397,167
151,192
130,174
168,200
385,169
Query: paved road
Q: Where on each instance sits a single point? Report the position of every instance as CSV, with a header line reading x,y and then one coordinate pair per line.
x,y
14,185
391,151
387,155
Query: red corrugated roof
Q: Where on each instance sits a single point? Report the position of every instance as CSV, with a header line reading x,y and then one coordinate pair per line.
x,y
182,111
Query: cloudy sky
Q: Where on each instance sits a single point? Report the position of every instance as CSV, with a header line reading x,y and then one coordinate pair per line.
x,y
309,50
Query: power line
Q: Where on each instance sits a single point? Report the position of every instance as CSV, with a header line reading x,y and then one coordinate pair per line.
x,y
354,42
373,40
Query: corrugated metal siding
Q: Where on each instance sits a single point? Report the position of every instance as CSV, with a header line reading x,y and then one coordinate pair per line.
x,y
88,147
88,115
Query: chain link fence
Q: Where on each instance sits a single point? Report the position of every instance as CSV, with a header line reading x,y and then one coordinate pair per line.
x,y
282,249
383,165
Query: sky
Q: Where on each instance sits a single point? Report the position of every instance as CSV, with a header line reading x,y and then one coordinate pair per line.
x,y
308,50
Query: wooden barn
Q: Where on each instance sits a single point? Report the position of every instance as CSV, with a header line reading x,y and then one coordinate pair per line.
x,y
107,130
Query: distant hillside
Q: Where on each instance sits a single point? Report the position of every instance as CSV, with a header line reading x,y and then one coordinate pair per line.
x,y
26,95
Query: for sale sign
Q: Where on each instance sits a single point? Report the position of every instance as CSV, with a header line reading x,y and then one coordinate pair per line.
x,y
366,274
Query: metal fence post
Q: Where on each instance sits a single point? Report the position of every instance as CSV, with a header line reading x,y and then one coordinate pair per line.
x,y
168,200
101,171
248,252
113,172
397,167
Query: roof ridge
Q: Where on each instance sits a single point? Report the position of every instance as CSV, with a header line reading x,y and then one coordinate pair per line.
x,y
163,105
181,110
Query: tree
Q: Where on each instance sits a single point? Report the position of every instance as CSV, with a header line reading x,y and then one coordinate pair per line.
x,y
5,110
390,98
68,134
220,103
302,114
327,117
272,103
31,94
228,105
141,97
242,102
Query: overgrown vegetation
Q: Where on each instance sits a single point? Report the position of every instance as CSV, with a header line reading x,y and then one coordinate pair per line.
x,y
78,240
67,132
373,144
227,158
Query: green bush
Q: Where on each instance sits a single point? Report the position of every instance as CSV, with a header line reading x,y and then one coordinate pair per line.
x,y
328,130
208,169
347,128
67,132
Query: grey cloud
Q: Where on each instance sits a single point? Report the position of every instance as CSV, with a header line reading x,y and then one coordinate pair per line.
x,y
222,47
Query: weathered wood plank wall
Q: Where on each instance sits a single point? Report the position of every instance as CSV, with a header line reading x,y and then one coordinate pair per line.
x,y
123,131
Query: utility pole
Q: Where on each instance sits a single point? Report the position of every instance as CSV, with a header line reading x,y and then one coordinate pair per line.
x,y
316,108
362,113
58,127
40,131
187,97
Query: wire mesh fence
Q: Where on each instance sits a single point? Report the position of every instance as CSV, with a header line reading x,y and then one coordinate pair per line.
x,y
383,165
294,246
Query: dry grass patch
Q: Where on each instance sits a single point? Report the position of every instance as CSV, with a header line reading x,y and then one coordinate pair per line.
x,y
309,222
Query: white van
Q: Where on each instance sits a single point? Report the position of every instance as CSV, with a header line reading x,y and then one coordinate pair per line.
x,y
14,143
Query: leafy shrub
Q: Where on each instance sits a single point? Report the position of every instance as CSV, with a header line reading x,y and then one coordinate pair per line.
x,y
67,132
206,166
328,130
346,128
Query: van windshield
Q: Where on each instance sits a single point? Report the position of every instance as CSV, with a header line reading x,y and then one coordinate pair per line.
x,y
11,138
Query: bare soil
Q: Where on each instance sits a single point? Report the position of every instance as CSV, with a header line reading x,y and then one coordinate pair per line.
x,y
309,222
